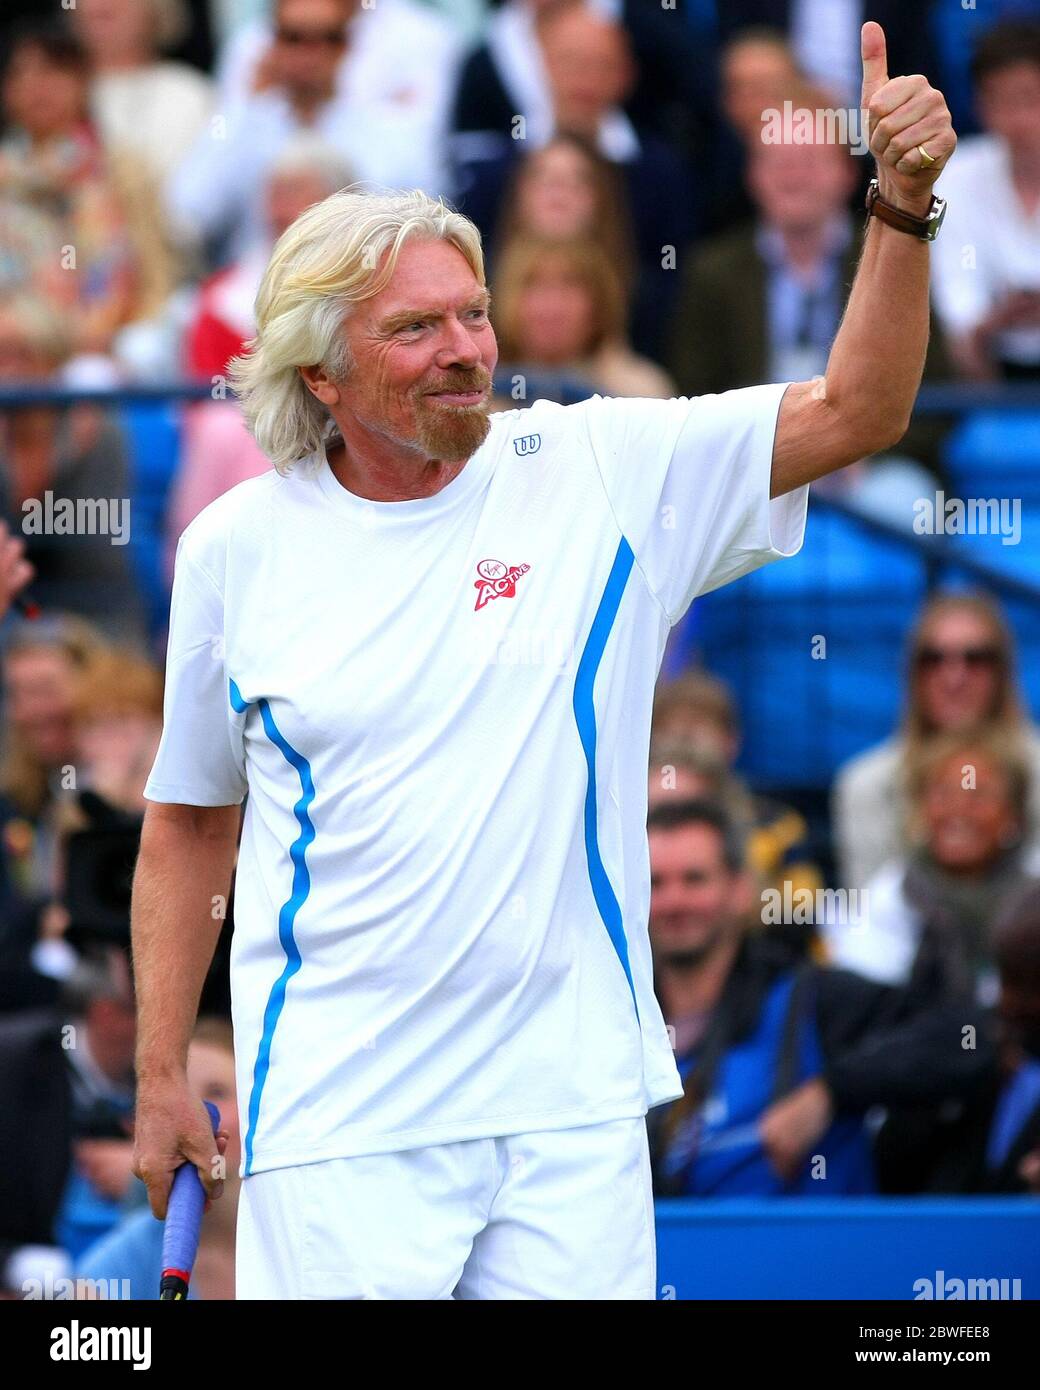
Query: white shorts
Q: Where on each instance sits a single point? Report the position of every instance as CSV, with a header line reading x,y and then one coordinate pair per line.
x,y
561,1214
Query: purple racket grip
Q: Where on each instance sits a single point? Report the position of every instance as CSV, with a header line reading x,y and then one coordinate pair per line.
x,y
184,1213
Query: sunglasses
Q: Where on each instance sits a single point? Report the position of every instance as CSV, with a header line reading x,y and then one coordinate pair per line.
x,y
296,38
975,658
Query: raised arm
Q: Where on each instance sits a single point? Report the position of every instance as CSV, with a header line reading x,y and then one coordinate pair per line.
x,y
864,401
184,866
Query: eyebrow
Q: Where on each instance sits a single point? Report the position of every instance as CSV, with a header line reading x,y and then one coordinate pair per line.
x,y
404,317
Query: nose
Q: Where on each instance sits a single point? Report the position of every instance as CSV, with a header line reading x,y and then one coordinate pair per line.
x,y
458,346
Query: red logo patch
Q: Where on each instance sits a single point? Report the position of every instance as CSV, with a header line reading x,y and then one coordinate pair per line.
x,y
496,581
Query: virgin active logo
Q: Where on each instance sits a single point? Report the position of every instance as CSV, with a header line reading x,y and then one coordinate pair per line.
x,y
496,580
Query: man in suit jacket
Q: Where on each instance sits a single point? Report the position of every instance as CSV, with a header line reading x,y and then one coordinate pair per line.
x,y
827,49
762,303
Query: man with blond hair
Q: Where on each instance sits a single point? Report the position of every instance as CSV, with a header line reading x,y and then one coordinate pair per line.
x,y
426,645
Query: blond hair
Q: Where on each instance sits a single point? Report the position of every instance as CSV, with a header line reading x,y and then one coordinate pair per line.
x,y
588,261
23,778
331,258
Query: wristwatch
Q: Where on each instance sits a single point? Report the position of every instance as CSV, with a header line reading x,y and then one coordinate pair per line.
x,y
927,228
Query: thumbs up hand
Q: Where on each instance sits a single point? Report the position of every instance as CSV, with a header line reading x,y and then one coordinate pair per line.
x,y
911,133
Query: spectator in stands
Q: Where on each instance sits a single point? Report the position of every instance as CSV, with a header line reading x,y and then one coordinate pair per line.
x,y
780,1059
305,172
44,664
138,100
589,71
567,191
218,450
986,275
103,1026
117,722
505,75
698,709
824,37
398,57
560,307
763,302
386,133
757,71
683,770
927,916
97,257
960,676
133,1250
35,1147
63,480
991,1144
1012,1154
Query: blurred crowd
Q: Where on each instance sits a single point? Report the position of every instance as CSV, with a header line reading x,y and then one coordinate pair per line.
x,y
852,1013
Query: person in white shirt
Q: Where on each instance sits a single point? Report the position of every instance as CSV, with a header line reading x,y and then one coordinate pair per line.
x,y
987,266
347,75
426,646
140,101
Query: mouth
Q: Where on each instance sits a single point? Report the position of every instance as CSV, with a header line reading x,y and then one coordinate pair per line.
x,y
458,397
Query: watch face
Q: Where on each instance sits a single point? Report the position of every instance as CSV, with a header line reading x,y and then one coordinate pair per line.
x,y
936,219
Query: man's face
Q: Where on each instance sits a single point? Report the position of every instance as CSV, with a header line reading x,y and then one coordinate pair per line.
x,y
795,187
424,352
289,195
588,65
1009,105
754,77
695,900
309,42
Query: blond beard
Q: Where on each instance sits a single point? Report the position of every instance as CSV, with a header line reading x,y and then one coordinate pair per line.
x,y
452,432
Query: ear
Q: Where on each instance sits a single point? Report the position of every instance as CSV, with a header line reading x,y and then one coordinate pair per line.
x,y
320,384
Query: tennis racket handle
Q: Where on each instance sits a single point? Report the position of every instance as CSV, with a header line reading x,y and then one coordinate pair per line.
x,y
184,1215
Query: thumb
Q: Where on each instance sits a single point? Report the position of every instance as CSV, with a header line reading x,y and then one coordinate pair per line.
x,y
875,60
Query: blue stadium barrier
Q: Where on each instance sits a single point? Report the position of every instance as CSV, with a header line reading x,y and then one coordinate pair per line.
x,y
845,1248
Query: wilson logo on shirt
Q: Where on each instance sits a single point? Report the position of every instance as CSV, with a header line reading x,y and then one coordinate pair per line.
x,y
496,581
527,444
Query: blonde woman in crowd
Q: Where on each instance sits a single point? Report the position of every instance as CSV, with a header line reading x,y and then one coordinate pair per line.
x,y
560,307
139,100
961,676
45,664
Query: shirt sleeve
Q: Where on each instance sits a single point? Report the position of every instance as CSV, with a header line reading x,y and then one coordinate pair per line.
x,y
197,764
688,482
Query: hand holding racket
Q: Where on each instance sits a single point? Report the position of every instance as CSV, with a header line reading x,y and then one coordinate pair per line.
x,y
183,1225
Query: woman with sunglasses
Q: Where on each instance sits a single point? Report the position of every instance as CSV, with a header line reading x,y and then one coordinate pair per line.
x,y
961,677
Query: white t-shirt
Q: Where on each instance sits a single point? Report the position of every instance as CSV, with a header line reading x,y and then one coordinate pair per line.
x,y
440,709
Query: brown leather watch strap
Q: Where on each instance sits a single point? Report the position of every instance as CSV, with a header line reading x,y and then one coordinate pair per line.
x,y
922,227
